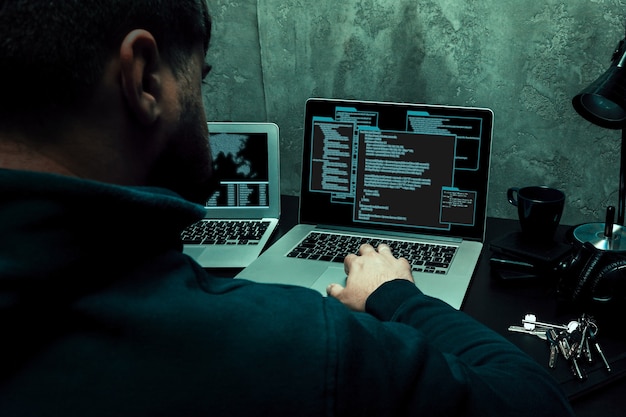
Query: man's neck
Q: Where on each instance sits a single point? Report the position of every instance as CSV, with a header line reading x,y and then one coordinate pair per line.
x,y
25,155
77,152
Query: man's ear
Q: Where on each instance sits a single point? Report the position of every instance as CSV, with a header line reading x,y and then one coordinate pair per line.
x,y
141,80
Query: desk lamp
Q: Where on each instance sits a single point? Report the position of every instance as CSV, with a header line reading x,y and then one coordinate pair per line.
x,y
603,103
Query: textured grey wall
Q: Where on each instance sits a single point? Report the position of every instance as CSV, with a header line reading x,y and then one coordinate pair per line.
x,y
525,59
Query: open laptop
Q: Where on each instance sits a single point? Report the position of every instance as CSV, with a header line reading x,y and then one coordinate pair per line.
x,y
244,211
402,174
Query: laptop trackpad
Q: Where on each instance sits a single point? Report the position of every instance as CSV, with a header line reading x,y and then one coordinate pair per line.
x,y
332,275
193,251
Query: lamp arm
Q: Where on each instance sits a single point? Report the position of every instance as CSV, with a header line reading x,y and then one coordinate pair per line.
x,y
622,181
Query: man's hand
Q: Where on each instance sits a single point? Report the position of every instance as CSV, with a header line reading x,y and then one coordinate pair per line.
x,y
366,272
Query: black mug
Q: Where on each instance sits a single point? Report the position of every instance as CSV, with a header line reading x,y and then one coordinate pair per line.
x,y
539,209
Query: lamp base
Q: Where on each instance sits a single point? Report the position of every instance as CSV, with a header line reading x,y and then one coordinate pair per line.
x,y
594,233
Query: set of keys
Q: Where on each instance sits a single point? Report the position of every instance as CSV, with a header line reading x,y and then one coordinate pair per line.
x,y
575,342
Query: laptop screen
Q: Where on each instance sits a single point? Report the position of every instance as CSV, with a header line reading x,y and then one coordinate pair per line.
x,y
409,168
245,164
240,165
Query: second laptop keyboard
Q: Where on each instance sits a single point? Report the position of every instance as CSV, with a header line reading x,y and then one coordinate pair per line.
x,y
225,232
332,247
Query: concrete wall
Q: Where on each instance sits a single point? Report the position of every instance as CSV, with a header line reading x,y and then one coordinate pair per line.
x,y
525,59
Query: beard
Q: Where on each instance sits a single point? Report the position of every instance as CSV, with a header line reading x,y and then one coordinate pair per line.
x,y
185,165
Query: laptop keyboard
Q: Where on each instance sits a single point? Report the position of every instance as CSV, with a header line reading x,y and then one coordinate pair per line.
x,y
225,232
423,257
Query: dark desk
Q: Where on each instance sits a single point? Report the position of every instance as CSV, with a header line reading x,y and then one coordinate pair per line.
x,y
500,304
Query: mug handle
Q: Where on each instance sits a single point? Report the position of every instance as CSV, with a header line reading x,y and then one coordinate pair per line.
x,y
511,194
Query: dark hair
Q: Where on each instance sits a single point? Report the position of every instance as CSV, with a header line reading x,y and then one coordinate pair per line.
x,y
52,52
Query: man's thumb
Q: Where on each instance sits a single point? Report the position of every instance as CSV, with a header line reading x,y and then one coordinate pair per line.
x,y
334,290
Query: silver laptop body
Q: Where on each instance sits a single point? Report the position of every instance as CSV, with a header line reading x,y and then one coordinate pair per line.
x,y
395,172
247,165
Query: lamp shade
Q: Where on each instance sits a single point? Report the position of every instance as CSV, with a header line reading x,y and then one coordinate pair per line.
x,y
603,102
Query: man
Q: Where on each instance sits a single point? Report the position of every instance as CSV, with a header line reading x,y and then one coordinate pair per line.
x,y
102,151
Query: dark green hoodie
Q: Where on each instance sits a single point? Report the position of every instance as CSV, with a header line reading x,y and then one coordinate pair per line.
x,y
102,315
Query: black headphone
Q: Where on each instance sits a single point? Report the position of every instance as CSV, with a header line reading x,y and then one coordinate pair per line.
x,y
593,278
608,285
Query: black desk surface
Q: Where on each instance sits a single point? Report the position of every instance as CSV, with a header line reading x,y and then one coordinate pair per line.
x,y
499,304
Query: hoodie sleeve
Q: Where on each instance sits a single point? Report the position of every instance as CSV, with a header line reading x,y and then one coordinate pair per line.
x,y
415,355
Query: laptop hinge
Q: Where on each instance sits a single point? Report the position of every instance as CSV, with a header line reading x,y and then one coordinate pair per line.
x,y
396,234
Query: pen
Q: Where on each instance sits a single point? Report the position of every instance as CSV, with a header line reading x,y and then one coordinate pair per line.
x,y
512,264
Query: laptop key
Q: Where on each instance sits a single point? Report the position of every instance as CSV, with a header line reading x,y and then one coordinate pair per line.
x,y
334,248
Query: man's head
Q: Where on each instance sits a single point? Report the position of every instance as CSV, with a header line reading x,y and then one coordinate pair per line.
x,y
53,53
135,66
